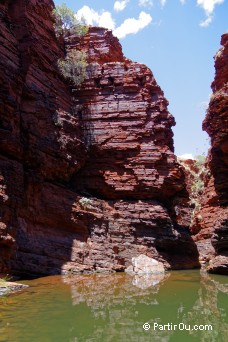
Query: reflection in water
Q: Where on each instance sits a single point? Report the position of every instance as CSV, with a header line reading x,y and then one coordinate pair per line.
x,y
112,288
144,281
123,302
114,307
206,309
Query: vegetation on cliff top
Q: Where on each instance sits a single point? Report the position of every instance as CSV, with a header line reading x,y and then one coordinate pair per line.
x,y
73,66
66,22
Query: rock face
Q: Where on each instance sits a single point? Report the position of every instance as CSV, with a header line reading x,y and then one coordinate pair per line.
x,y
127,130
88,176
212,238
39,138
196,171
126,127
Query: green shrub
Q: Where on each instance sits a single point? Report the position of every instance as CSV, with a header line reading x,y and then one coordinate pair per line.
x,y
200,160
73,67
197,187
66,22
4,279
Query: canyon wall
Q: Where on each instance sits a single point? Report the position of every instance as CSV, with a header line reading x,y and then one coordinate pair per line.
x,y
33,148
88,176
211,224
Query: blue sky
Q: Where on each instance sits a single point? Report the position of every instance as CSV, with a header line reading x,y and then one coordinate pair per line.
x,y
177,40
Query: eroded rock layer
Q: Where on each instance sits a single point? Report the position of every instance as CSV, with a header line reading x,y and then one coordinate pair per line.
x,y
127,129
88,176
38,135
212,238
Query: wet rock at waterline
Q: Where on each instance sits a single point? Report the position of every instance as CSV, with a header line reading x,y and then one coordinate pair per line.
x,y
7,287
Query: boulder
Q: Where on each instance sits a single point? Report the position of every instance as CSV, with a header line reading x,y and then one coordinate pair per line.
x,y
145,265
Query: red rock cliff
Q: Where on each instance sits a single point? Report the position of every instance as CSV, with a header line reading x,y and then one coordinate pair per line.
x,y
126,126
34,148
212,239
88,176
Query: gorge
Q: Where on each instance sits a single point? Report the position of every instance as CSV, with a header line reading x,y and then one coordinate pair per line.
x,y
89,178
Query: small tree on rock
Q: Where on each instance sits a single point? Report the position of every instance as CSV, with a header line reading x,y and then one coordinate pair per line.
x,y
66,22
73,66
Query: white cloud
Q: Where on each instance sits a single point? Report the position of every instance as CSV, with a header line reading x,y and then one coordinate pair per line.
x,y
93,18
208,7
145,3
133,25
207,21
186,156
120,5
182,2
162,2
104,19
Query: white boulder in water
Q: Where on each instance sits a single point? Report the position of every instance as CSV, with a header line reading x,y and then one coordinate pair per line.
x,y
145,265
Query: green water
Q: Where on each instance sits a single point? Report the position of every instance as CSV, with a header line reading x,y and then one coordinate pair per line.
x,y
115,307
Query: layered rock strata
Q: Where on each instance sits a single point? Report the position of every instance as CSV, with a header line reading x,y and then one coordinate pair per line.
x,y
89,178
127,130
39,138
212,236
126,127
